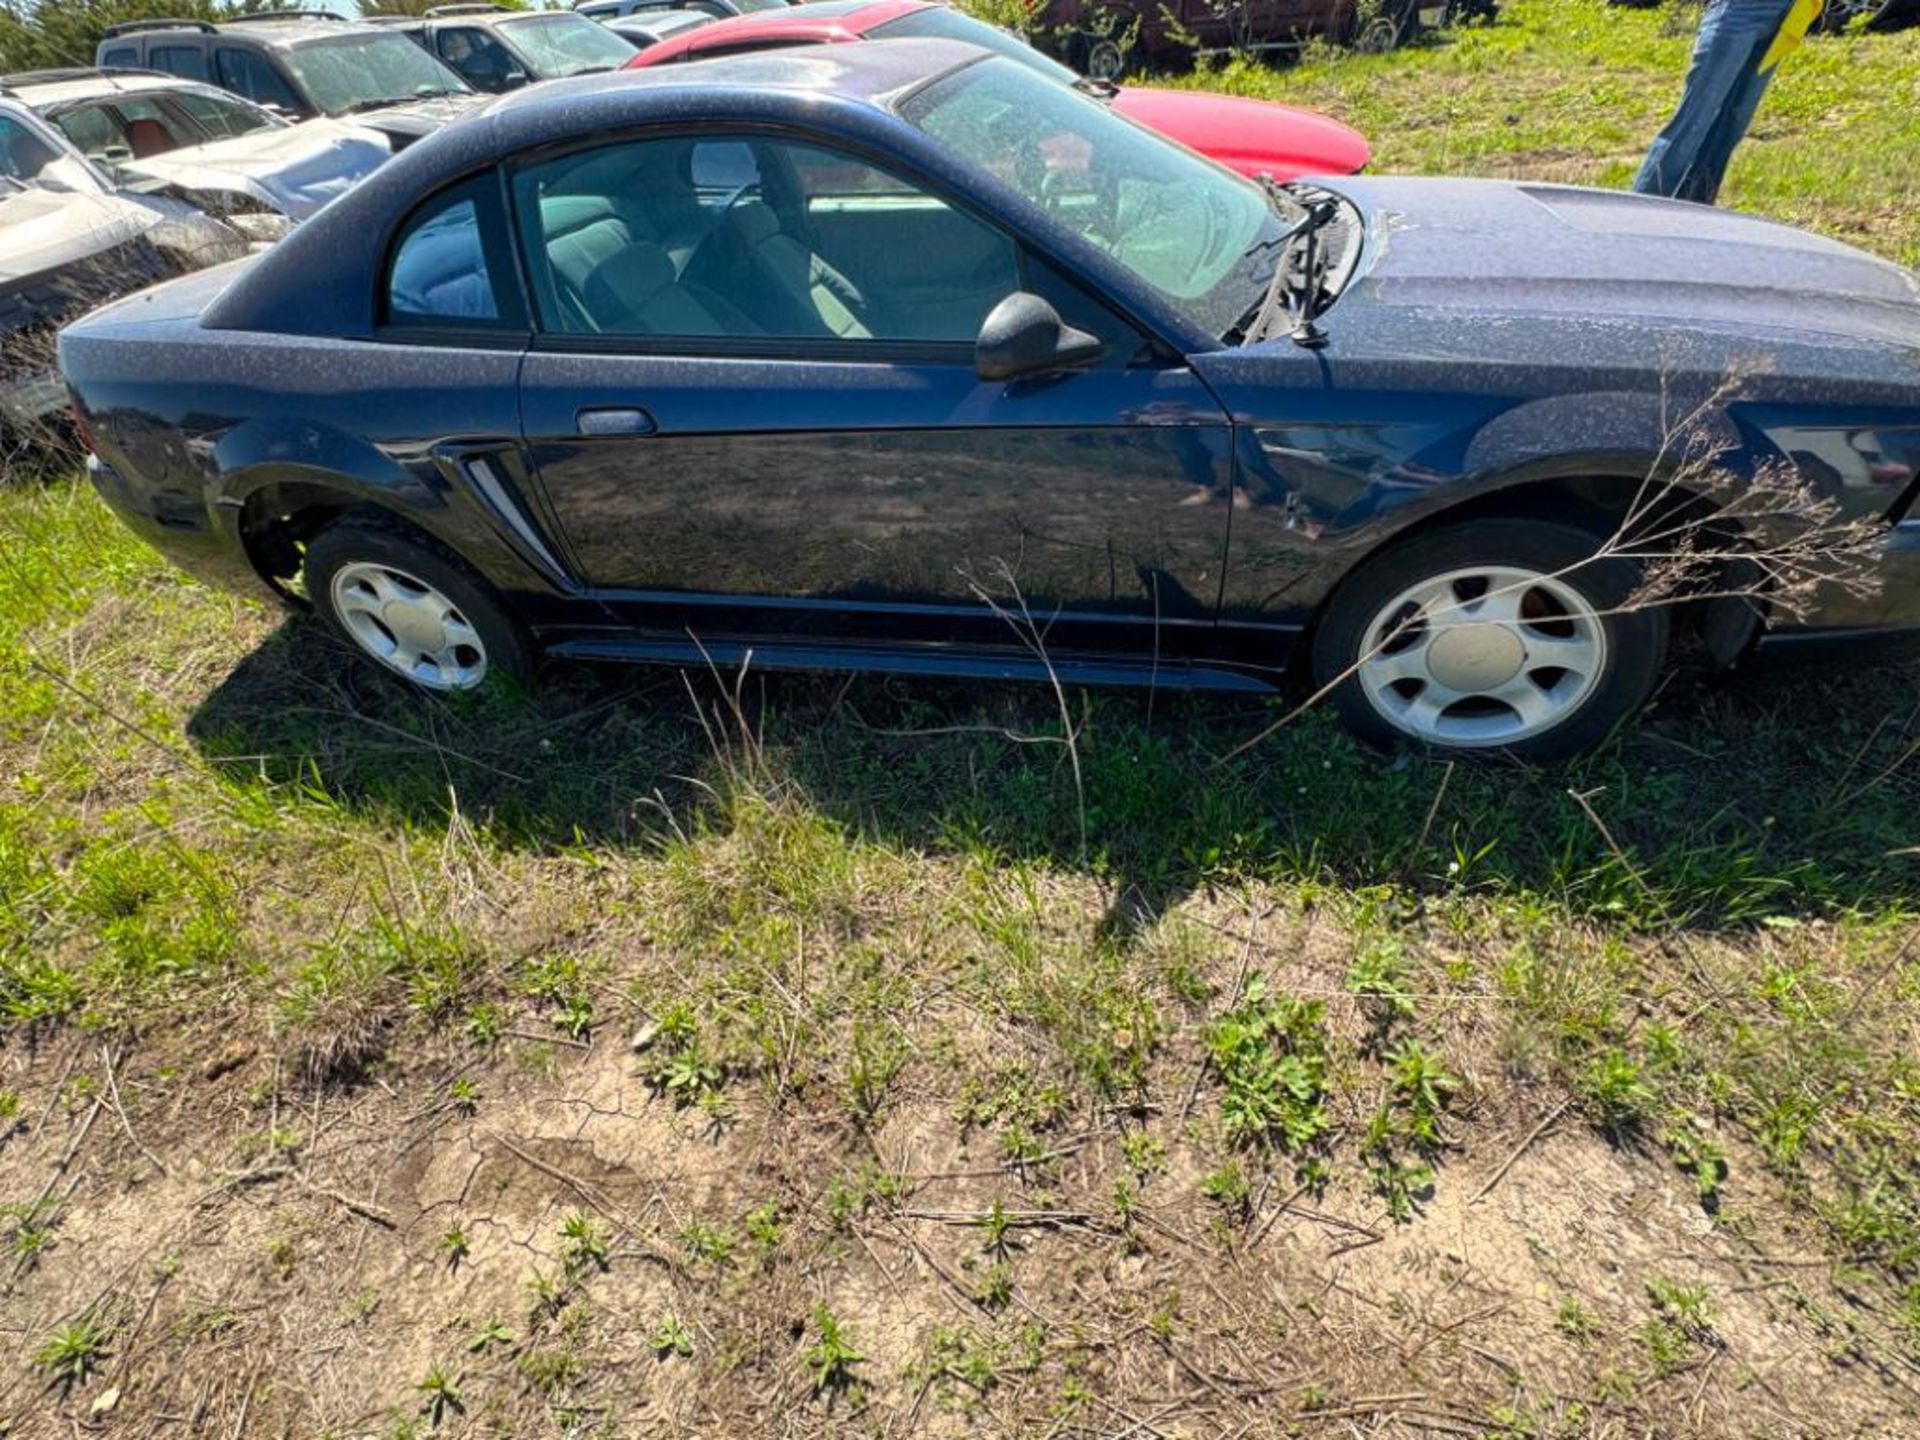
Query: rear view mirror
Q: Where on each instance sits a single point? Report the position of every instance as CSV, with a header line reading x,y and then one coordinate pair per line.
x,y
1026,336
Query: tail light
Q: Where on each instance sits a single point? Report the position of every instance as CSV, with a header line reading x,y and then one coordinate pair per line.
x,y
80,426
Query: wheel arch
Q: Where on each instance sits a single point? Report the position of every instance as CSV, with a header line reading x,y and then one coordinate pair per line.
x,y
1592,459
1598,493
287,480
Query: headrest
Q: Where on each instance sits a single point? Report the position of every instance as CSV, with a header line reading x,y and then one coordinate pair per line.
x,y
562,215
755,222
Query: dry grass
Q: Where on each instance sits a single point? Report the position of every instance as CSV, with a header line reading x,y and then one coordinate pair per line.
x,y
737,1057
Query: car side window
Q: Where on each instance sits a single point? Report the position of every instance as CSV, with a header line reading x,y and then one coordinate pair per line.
x,y
755,239
248,74
188,61
449,261
222,116
23,154
94,133
150,128
476,57
120,57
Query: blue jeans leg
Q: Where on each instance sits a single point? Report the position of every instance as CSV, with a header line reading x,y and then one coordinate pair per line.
x,y
1724,88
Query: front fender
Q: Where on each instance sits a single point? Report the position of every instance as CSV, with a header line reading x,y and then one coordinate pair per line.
x,y
1319,497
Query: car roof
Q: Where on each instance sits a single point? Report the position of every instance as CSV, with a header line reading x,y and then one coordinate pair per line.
x,y
290,31
59,87
866,73
321,279
821,20
476,16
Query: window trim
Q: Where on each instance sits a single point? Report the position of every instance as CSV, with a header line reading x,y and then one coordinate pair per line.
x,y
512,329
304,107
806,348
439,33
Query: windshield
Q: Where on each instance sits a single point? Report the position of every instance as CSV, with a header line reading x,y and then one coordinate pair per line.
x,y
1200,235
29,158
557,45
940,23
743,6
363,71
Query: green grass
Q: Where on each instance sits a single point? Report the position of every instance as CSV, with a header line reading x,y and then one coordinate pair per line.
x,y
1570,91
1147,1006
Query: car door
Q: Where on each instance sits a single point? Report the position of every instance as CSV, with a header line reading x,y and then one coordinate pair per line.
x,y
254,77
477,57
754,409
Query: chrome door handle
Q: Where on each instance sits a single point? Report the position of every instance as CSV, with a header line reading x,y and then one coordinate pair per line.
x,y
629,421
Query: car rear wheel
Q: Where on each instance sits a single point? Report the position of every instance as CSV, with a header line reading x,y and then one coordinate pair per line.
x,y
1376,35
1498,635
1105,60
411,608
1838,14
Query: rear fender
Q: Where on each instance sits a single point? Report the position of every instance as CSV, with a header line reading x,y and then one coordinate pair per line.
x,y
264,466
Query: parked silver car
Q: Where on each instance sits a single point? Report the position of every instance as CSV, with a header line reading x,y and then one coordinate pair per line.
x,y
156,133
70,241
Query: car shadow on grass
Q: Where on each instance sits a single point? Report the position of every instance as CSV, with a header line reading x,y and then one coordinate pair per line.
x,y
1732,804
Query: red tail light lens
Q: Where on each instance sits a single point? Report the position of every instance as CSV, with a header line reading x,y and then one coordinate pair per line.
x,y
80,426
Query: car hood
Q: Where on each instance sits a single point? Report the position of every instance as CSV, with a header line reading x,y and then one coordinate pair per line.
x,y
296,168
41,230
1252,136
410,121
1490,249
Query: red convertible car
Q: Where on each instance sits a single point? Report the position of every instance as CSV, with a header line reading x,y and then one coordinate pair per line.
x,y
1254,137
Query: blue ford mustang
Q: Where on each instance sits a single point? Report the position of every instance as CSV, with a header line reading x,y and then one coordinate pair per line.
x,y
899,357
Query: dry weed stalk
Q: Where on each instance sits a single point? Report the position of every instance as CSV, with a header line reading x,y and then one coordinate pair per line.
x,y
1701,531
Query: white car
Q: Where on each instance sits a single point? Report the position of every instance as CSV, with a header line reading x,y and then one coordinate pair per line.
x,y
69,240
155,133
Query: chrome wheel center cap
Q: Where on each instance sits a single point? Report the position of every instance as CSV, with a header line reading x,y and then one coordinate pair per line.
x,y
1475,658
415,626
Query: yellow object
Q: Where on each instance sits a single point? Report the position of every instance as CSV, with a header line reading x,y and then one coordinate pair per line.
x,y
1799,20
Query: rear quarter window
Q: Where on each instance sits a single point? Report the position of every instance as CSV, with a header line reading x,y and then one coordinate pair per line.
x,y
450,267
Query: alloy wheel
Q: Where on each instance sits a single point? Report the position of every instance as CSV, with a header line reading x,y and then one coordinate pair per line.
x,y
1481,657
1105,61
1840,13
408,626
1377,36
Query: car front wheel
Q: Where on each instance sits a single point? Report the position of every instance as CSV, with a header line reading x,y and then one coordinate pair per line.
x,y
411,608
1494,635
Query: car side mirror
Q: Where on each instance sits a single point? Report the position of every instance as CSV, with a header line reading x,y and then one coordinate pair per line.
x,y
1026,336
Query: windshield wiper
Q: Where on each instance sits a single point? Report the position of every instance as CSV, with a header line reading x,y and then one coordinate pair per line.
x,y
1320,213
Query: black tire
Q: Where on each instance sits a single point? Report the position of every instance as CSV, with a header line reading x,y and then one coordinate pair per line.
x,y
1376,35
361,539
1635,639
1103,58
